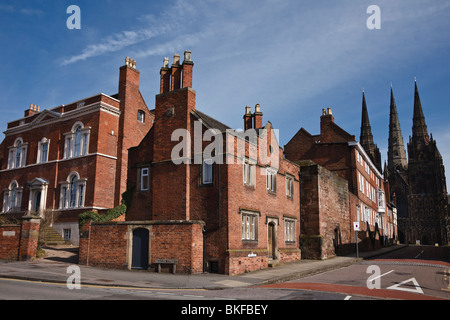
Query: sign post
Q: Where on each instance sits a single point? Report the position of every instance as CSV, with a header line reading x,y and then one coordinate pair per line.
x,y
356,228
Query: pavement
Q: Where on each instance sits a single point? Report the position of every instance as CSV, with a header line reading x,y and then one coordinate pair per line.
x,y
54,268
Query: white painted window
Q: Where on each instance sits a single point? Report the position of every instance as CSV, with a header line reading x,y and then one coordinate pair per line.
x,y
249,173
43,147
144,179
289,230
207,171
12,197
289,186
17,154
72,192
381,201
249,222
271,180
141,116
77,141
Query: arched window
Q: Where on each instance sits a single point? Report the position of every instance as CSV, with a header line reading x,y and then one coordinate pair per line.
x,y
141,116
77,145
12,197
17,154
77,141
72,192
42,155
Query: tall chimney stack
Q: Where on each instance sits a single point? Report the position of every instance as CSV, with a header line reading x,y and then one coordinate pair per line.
x,y
257,117
187,70
176,72
248,118
165,76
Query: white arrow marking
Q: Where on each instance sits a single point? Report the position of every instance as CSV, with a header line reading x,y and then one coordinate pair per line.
x,y
417,288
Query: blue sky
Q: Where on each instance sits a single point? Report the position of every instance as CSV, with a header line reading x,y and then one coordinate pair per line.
x,y
293,57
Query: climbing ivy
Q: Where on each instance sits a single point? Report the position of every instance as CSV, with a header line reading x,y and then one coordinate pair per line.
x,y
111,214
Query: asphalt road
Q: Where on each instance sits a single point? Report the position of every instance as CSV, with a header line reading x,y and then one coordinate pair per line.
x,y
411,273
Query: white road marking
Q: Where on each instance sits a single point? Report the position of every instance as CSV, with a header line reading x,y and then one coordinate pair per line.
x,y
418,255
347,297
417,288
381,275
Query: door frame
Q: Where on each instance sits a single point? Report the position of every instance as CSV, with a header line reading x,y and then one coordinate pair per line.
x,y
129,253
272,223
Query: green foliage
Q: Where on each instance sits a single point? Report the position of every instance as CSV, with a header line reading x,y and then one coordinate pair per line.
x,y
96,217
111,214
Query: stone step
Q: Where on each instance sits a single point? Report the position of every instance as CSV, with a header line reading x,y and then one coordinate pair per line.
x,y
52,237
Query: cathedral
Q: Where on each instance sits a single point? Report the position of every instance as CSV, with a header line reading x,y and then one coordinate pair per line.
x,y
417,183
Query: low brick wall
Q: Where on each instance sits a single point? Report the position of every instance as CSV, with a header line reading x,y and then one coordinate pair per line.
x,y
20,241
109,244
9,242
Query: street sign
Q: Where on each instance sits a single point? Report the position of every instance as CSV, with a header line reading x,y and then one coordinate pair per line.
x,y
356,226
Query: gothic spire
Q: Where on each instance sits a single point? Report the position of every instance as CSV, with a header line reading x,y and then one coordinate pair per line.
x,y
419,128
396,149
366,136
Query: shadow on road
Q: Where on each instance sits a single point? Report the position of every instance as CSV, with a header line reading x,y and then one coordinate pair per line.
x,y
61,253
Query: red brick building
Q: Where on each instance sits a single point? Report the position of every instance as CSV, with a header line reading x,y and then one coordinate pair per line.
x,y
72,158
191,167
339,152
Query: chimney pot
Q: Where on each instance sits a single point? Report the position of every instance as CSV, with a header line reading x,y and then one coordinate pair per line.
x,y
329,111
176,59
324,112
248,110
187,56
257,108
166,63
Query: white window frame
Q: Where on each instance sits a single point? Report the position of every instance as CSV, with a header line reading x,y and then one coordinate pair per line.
x,y
73,149
141,116
249,226
72,197
290,231
12,197
144,179
17,154
249,173
289,186
271,180
42,156
381,201
207,171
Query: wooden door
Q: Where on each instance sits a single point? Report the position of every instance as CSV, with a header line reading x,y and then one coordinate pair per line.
x,y
271,240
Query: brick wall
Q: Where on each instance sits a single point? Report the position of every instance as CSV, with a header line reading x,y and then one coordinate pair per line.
x,y
20,242
9,242
109,245
325,217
